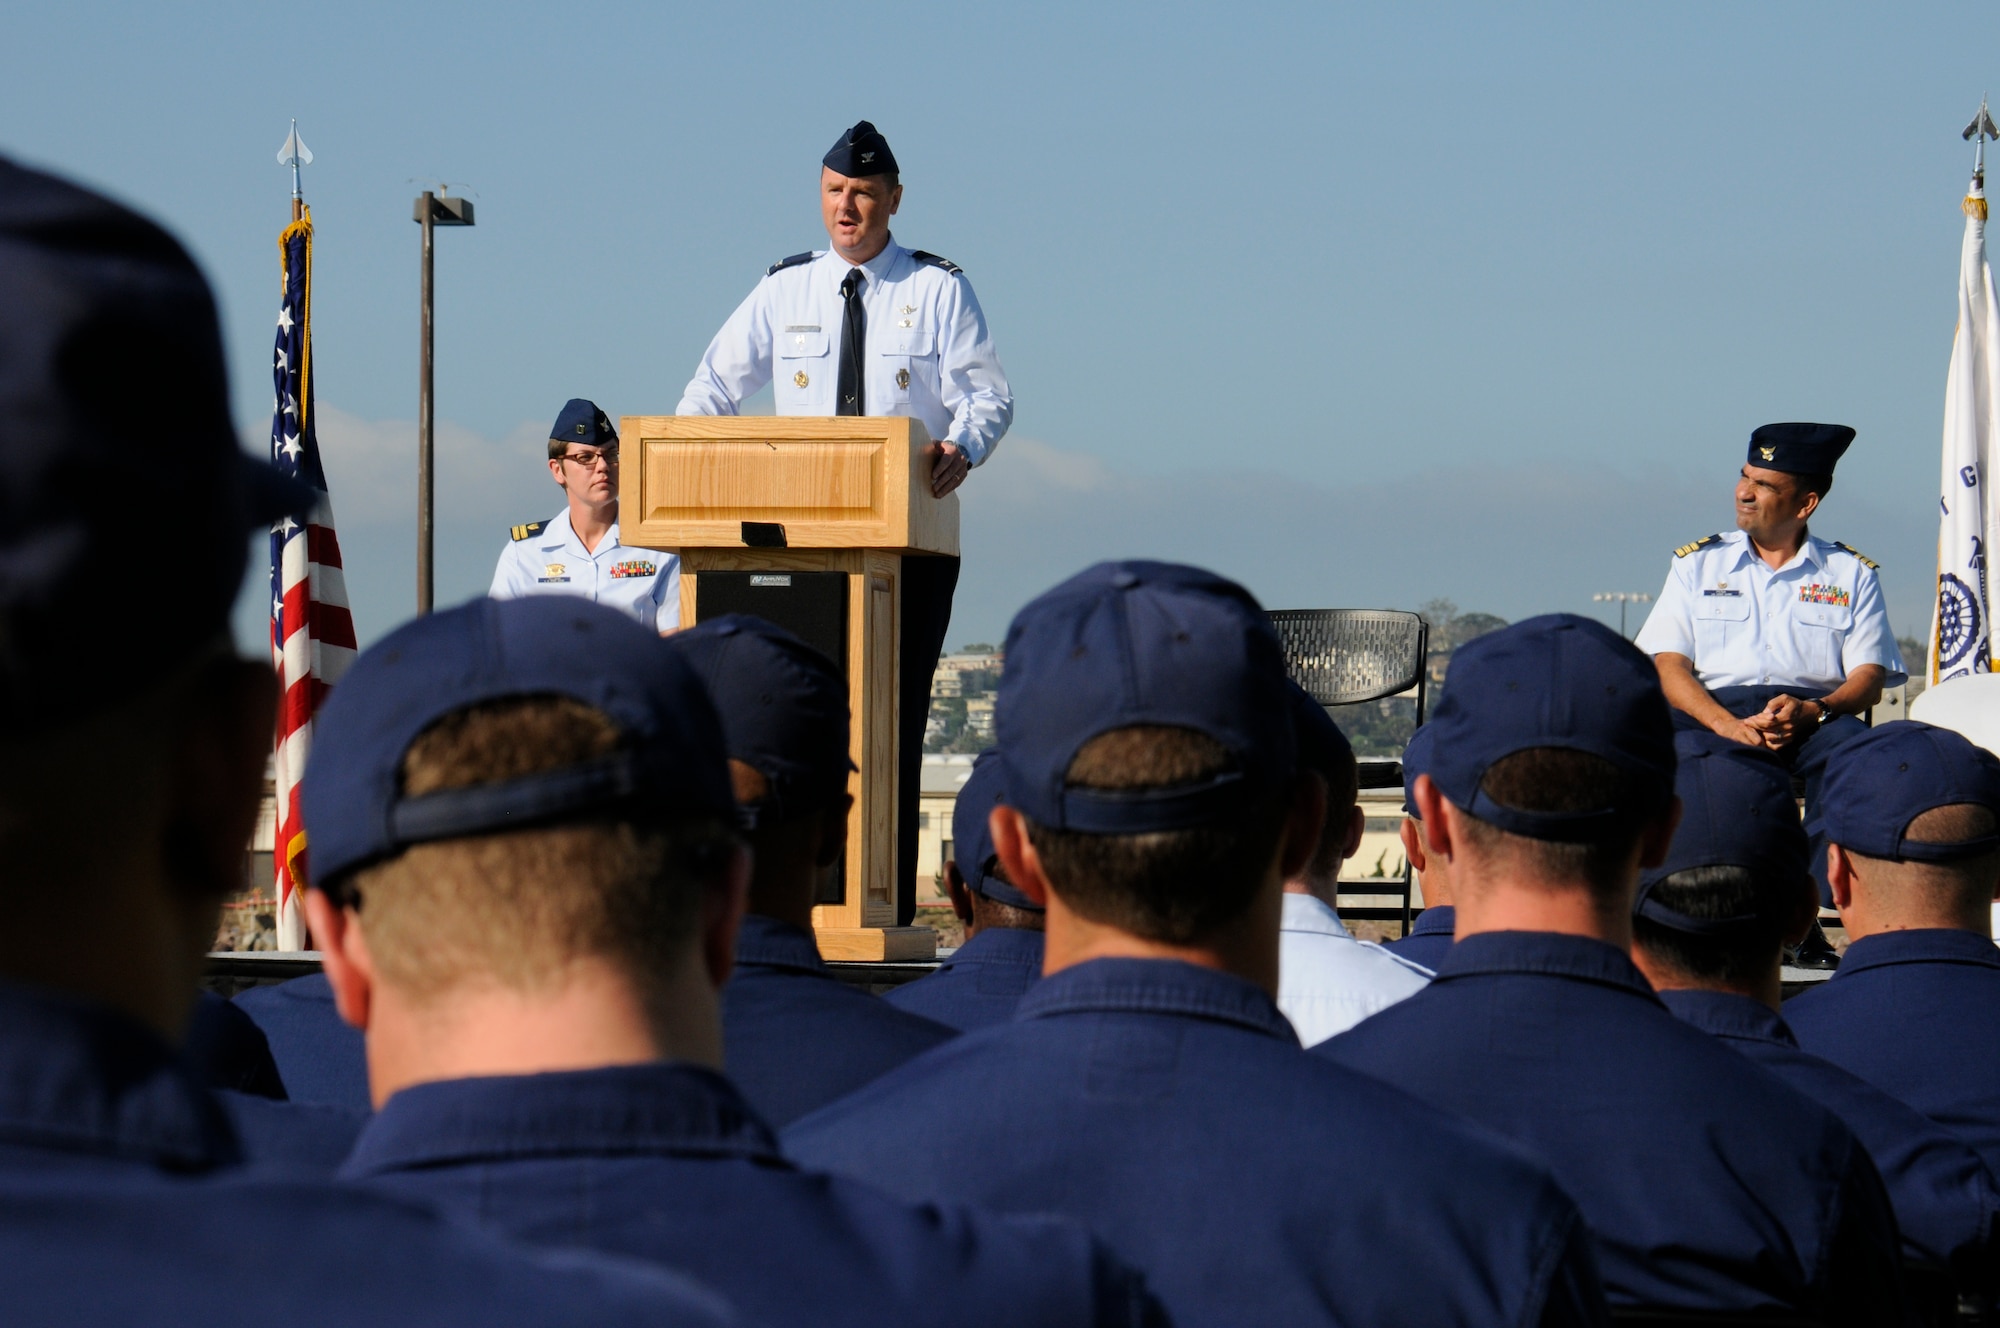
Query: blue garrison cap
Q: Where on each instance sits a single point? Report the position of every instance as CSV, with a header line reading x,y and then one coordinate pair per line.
x,y
113,402
1799,449
1142,643
1322,746
783,706
1416,760
972,833
670,761
1878,783
860,151
1555,681
582,422
1736,811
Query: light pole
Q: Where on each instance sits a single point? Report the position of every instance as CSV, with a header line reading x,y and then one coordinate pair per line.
x,y
1623,597
432,210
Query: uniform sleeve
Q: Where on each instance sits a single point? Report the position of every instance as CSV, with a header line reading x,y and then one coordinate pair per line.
x,y
667,596
737,363
1861,1269
1871,640
974,386
510,576
1669,627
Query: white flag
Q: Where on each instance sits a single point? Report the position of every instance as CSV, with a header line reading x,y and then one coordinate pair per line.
x,y
1961,631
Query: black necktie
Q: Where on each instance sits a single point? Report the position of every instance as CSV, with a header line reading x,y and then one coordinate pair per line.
x,y
853,340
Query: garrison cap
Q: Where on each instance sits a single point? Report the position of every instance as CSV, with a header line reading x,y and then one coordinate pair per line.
x,y
112,395
1878,783
1561,681
1799,449
860,151
582,422
972,833
1736,811
1416,761
1124,644
783,706
670,759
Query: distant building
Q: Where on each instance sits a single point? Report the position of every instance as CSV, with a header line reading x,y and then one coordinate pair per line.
x,y
943,776
979,715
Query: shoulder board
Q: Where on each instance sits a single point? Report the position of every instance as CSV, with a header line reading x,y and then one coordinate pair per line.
x,y
1702,543
923,256
530,530
793,261
1866,561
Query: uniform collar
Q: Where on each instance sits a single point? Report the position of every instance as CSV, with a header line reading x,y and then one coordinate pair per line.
x,y
1002,945
655,1109
773,944
1726,1014
878,269
565,533
1812,552
83,1079
1155,986
1933,945
1308,913
1543,954
1437,920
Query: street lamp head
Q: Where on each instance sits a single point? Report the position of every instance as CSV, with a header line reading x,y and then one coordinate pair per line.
x,y
445,210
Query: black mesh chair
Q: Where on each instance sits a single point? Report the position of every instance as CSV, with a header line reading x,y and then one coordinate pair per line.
x,y
1344,657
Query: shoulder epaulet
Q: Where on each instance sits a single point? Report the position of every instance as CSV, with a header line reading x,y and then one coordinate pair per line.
x,y
531,529
1866,561
1702,543
793,261
923,256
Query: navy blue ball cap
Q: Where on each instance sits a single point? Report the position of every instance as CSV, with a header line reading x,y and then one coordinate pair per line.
x,y
1737,810
582,422
1558,681
1881,781
783,706
859,152
1125,644
1799,449
1322,746
972,832
670,760
1416,761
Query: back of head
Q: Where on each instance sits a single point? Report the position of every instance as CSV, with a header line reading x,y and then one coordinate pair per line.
x,y
1325,751
1146,736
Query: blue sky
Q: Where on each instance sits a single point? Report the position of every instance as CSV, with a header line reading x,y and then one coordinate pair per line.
x,y
1363,305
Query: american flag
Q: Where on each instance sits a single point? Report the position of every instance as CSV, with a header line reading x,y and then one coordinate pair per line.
x,y
312,633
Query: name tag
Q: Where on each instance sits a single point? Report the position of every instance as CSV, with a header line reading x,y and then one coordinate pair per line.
x,y
1723,591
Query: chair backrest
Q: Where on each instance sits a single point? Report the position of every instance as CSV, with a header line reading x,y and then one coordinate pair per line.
x,y
1346,656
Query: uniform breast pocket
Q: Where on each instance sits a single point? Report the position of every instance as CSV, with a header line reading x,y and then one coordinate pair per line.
x,y
1818,630
1718,619
801,370
909,364
1722,608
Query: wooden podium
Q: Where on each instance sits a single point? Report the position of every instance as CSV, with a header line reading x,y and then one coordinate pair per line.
x,y
753,502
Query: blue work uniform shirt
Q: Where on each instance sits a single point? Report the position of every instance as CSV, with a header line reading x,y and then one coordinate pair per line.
x,y
795,1037
980,983
549,559
667,1163
1169,1108
320,1056
1429,940
1917,1014
1945,1199
121,1203
291,1138
1708,1182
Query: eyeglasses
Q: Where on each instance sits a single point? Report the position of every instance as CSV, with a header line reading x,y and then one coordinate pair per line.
x,y
589,460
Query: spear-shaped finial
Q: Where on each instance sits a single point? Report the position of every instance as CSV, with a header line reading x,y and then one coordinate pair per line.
x,y
1981,128
296,154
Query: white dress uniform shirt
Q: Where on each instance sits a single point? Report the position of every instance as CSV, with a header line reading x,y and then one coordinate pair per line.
x,y
549,559
928,354
1327,981
1808,624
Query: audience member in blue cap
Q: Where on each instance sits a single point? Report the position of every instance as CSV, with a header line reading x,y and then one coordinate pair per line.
x,y
528,882
1709,925
796,1036
1708,1184
118,1204
1429,940
1327,980
982,981
1913,817
1148,1084
319,1055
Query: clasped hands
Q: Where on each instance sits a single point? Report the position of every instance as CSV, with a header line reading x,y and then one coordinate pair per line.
x,y
1783,721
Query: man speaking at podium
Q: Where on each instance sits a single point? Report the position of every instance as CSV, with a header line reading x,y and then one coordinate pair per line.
x,y
868,327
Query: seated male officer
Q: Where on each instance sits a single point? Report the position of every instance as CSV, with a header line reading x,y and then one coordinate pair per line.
x,y
319,1056
1148,1084
126,797
796,1036
985,978
1708,929
1328,981
1913,816
1708,1184
577,552
528,883
1430,940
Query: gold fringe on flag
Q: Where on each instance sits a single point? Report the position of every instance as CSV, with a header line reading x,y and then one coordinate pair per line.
x,y
1974,206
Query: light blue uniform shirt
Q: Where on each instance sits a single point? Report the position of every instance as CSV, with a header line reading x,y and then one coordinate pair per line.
x,y
550,560
1327,981
1808,624
928,355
